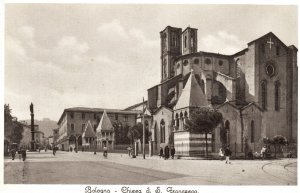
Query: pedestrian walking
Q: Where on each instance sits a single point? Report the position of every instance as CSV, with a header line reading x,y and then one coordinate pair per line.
x,y
161,152
54,150
105,152
20,154
24,154
221,155
263,152
172,152
227,155
129,149
13,153
167,152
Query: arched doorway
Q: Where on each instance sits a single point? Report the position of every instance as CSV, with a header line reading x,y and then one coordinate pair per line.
x,y
79,142
147,131
252,135
227,129
72,142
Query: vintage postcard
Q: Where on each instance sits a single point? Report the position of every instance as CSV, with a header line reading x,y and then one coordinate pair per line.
x,y
162,95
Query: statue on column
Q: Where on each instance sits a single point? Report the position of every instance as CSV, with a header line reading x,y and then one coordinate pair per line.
x,y
32,128
31,108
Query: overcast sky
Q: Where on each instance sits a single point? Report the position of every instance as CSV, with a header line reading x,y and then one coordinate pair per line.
x,y
107,56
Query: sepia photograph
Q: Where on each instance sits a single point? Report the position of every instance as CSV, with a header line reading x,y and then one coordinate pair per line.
x,y
150,94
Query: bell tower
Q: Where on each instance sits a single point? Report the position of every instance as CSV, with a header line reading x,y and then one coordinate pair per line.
x,y
170,49
189,40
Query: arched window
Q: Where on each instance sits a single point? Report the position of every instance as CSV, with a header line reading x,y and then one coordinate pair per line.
x,y
177,120
264,95
162,131
185,117
185,39
277,96
227,129
192,40
146,131
252,132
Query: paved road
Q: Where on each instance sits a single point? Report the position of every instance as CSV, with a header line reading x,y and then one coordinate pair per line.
x,y
86,168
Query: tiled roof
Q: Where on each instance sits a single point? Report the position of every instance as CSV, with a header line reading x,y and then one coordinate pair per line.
x,y
105,123
96,110
192,95
88,131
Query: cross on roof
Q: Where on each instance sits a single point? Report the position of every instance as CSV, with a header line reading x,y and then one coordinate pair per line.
x,y
270,42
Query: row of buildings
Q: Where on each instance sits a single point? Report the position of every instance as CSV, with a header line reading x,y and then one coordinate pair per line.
x,y
255,89
92,127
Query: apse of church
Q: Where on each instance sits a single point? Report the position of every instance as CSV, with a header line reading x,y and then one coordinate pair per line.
x,y
251,88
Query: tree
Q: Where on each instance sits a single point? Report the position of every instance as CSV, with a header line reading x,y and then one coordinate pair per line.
x,y
12,129
204,120
135,132
278,141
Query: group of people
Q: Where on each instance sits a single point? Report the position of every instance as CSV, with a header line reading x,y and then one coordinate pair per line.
x,y
250,155
165,153
21,152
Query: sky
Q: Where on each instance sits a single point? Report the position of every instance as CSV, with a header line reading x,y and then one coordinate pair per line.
x,y
106,56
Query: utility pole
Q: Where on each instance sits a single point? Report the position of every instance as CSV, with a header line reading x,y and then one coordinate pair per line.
x,y
143,131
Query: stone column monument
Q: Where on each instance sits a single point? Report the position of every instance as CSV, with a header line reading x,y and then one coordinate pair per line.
x,y
32,128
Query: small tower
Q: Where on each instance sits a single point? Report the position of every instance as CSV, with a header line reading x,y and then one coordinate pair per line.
x,y
189,41
170,49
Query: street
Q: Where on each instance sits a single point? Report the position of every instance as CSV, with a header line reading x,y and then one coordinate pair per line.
x,y
87,168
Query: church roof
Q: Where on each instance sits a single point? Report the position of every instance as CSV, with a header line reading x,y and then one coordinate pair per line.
x,y
88,131
192,95
268,34
105,123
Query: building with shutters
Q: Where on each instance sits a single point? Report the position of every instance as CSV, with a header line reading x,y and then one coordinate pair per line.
x,y
78,126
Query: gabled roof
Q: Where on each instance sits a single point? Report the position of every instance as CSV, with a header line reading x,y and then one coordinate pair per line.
x,y
268,34
137,105
161,107
192,94
252,104
105,123
239,107
88,131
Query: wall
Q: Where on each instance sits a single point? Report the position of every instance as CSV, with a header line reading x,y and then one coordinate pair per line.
x,y
233,116
166,115
251,91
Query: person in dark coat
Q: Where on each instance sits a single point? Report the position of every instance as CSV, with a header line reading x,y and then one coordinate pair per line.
x,y
54,150
24,154
167,152
172,152
227,155
161,152
13,154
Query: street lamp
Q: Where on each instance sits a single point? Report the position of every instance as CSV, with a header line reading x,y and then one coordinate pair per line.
x,y
143,131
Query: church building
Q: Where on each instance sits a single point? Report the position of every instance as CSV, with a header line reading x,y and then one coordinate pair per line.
x,y
255,89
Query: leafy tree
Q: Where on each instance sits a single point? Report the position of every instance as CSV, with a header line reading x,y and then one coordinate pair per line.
x,y
278,141
120,133
204,120
12,129
135,132
7,121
